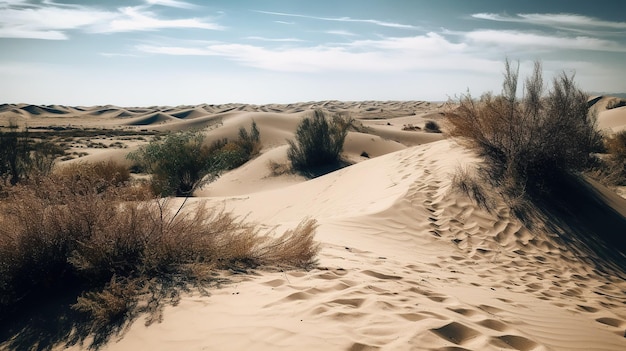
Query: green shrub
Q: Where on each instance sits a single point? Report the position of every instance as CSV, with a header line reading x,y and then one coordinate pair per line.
x,y
178,163
529,142
181,162
319,143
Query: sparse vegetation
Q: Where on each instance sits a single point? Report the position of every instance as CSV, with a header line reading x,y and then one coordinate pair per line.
x,y
181,162
432,127
115,258
468,183
318,143
530,142
411,127
615,103
22,157
611,169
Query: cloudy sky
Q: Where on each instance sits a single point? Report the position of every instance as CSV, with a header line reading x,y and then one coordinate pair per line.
x,y
174,52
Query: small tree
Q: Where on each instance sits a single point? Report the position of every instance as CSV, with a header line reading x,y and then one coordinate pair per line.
x,y
319,142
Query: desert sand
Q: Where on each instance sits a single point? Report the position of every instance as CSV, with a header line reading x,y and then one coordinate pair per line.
x,y
406,263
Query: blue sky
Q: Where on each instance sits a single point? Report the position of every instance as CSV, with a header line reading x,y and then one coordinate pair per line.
x,y
175,52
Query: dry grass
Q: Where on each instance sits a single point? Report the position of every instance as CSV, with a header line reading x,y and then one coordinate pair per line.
x,y
611,167
469,183
69,235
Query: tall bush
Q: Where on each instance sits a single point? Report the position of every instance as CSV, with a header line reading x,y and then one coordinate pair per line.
x,y
531,141
318,143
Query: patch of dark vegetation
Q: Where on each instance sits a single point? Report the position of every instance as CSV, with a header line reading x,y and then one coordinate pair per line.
x,y
432,127
318,144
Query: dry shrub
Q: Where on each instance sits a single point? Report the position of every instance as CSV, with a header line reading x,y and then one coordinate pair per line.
x,y
532,142
109,172
278,169
296,247
59,237
611,169
469,183
410,127
615,103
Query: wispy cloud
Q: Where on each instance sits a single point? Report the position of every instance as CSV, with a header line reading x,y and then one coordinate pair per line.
x,y
137,19
53,21
340,32
558,20
342,19
516,39
430,51
284,22
280,40
114,54
172,3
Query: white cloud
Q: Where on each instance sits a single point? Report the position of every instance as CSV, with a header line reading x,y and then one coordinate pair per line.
x,y
342,19
516,39
172,3
134,19
430,51
343,33
280,40
558,20
53,21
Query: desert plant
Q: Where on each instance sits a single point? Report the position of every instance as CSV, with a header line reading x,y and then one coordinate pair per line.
x,y
181,162
318,143
615,103
178,163
470,184
531,141
250,142
432,127
109,173
61,238
611,169
22,158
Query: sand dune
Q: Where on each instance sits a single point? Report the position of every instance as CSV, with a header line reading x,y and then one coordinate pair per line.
x,y
611,120
406,262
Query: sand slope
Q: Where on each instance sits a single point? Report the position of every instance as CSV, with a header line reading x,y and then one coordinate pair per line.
x,y
405,265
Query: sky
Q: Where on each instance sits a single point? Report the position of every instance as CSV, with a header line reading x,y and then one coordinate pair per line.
x,y
185,52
